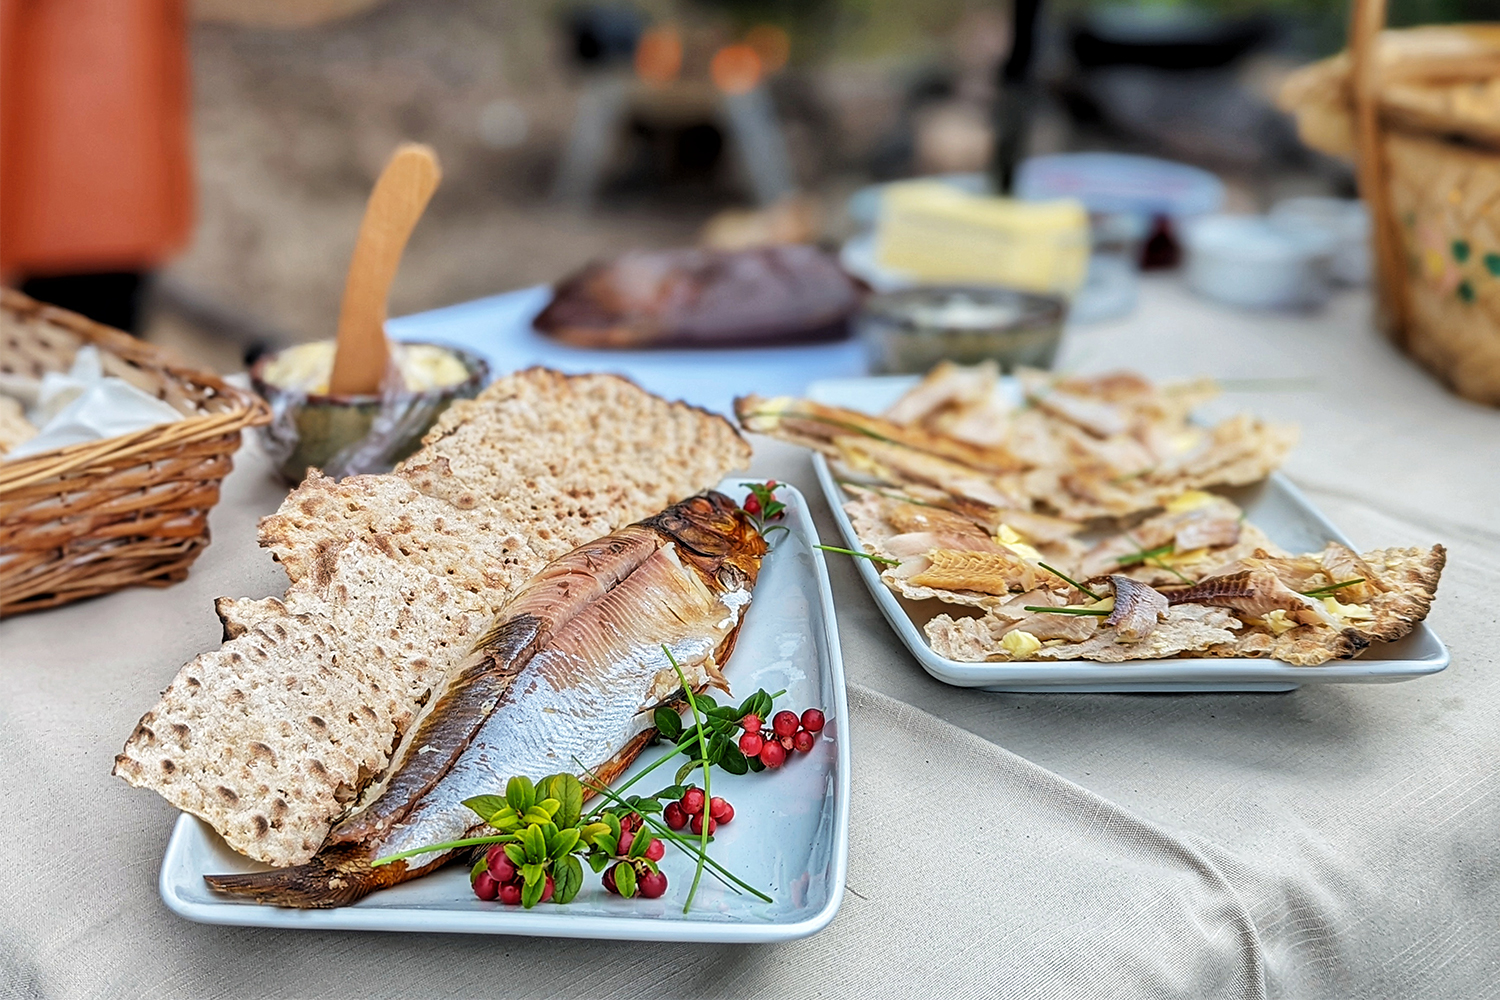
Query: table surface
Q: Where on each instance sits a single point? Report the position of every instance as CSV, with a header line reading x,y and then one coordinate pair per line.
x,y
1335,841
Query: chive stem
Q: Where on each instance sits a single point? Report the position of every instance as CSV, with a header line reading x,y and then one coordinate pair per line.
x,y
881,560
1328,590
703,752
1144,554
1070,611
1068,579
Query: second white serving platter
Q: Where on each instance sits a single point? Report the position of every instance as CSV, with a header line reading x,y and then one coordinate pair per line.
x,y
1275,506
789,837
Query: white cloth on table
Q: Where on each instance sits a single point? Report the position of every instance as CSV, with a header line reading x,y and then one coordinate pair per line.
x,y
1336,841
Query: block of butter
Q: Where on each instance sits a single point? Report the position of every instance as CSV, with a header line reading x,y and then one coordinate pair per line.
x,y
937,234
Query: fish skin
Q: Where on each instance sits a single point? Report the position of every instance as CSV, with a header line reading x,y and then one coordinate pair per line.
x,y
1137,608
587,691
547,602
1255,592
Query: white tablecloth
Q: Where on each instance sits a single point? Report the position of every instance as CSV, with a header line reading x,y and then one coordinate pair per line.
x,y
1338,841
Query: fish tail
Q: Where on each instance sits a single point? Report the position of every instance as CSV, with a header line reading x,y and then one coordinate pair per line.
x,y
335,877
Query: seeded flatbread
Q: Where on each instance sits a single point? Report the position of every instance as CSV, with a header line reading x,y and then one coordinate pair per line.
x,y
391,579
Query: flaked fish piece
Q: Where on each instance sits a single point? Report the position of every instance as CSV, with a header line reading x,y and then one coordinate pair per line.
x,y
1038,529
920,543
946,385
1206,531
909,517
1253,592
1137,608
1098,417
581,692
1213,523
817,422
899,464
998,572
1341,564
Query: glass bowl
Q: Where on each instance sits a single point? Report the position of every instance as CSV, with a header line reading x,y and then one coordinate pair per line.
x,y
345,434
911,330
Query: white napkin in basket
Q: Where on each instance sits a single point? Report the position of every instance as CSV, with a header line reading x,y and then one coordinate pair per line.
x,y
86,405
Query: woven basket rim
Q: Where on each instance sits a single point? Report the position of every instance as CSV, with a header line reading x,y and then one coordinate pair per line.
x,y
244,408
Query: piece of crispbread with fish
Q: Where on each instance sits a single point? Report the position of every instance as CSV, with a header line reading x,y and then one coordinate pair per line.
x,y
271,736
962,565
1407,579
1185,629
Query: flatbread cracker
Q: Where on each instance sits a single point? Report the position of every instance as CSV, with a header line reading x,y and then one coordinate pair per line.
x,y
272,736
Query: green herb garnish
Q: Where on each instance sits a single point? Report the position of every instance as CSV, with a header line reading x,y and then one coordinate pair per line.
x,y
1068,579
1328,590
1102,613
880,560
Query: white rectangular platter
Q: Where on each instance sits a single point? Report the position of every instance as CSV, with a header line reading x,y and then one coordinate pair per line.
x,y
1275,506
789,837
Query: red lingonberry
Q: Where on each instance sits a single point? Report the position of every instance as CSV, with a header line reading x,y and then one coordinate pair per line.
x,y
626,839
785,723
609,878
485,886
692,801
771,485
697,825
772,754
656,850
717,807
728,814
804,741
751,723
510,894
787,743
547,890
750,744
651,884
675,817
499,865
752,505
812,720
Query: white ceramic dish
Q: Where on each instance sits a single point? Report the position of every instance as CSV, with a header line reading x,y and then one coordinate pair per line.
x,y
1275,506
789,837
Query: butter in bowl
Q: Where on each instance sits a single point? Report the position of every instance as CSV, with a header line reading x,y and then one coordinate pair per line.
x,y
911,330
347,433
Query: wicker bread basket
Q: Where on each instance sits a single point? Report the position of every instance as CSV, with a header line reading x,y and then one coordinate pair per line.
x,y
91,518
1419,111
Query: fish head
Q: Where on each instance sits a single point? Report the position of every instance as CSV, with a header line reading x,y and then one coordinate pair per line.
x,y
716,536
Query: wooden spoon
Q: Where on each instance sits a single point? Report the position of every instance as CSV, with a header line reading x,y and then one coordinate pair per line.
x,y
402,192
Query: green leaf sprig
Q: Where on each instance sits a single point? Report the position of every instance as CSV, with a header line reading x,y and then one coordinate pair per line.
x,y
763,507
545,832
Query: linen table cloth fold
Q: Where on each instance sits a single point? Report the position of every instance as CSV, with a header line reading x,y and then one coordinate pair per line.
x,y
1331,842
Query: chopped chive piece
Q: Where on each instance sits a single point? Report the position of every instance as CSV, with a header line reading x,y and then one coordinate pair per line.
x,y
1144,554
1064,577
882,560
1070,611
1325,591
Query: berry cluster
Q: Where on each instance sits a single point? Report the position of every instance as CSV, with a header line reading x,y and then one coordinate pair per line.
x,y
498,878
787,733
645,879
762,505
691,810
